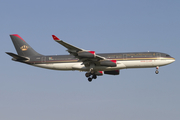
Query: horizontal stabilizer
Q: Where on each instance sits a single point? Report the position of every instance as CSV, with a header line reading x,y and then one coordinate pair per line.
x,y
16,57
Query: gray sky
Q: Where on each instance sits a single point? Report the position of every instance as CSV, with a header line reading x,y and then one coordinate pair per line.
x,y
30,93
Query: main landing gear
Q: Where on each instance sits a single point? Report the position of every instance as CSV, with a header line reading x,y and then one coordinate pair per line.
x,y
157,68
89,76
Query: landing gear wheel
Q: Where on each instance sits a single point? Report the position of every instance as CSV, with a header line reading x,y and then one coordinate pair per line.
x,y
157,68
156,71
87,74
94,76
89,79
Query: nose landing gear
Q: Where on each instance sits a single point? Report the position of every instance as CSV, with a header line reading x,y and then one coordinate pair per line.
x,y
157,68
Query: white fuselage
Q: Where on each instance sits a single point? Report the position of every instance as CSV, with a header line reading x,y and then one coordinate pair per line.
x,y
120,65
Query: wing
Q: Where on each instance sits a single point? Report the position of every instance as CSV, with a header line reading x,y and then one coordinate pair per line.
x,y
85,56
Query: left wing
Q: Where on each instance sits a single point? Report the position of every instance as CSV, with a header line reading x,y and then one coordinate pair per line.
x,y
85,56
70,48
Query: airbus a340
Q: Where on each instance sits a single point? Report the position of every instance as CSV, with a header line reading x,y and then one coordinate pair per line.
x,y
85,60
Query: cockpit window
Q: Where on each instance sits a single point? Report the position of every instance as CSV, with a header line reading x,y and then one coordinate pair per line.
x,y
168,56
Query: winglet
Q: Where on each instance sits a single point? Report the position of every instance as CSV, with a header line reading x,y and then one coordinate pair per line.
x,y
55,38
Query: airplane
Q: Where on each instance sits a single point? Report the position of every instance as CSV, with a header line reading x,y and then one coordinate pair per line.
x,y
85,60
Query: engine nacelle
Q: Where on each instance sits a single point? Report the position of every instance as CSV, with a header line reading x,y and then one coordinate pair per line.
x,y
99,73
88,54
114,72
108,63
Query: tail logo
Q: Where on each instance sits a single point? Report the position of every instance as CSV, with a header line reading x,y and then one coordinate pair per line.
x,y
24,48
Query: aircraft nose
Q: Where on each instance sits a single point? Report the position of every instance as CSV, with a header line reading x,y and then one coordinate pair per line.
x,y
173,59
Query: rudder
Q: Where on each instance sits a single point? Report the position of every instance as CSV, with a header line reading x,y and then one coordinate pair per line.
x,y
23,48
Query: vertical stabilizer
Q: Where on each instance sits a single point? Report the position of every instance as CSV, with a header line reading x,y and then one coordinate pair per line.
x,y
22,48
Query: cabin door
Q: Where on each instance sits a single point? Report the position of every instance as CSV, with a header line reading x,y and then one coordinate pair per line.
x,y
43,59
124,56
158,55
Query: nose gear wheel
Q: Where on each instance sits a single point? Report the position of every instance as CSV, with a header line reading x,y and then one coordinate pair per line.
x,y
157,68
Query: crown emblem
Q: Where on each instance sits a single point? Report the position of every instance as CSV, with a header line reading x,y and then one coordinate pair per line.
x,y
24,48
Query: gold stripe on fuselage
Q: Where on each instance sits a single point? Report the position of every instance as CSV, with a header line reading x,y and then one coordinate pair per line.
x,y
154,58
121,59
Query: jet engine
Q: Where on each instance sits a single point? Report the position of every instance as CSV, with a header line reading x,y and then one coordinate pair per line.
x,y
114,72
108,63
99,73
88,54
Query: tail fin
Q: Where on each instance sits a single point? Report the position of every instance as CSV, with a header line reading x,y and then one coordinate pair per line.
x,y
22,48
